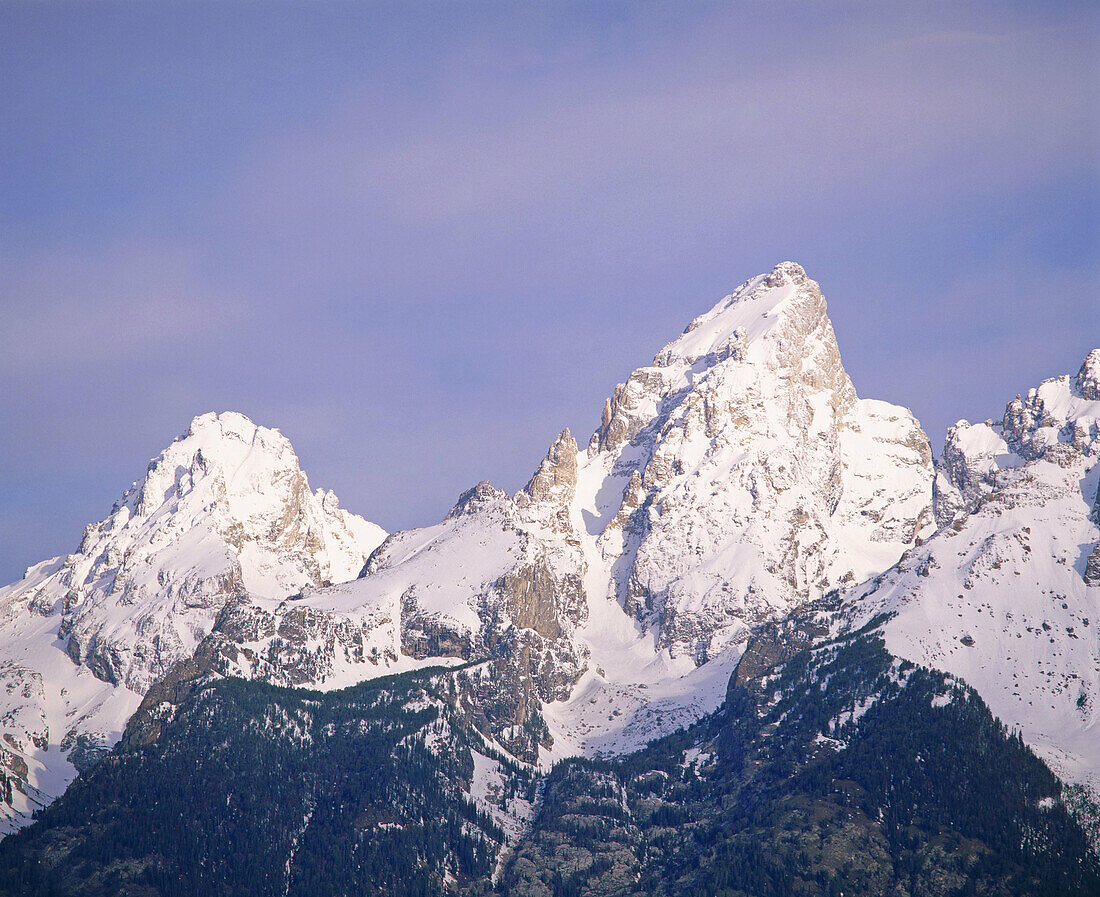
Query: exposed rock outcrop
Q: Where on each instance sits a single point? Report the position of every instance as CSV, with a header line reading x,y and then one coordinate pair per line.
x,y
1054,420
1092,568
752,476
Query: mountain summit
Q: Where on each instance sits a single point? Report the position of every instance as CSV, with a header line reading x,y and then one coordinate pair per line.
x,y
1006,595
734,477
224,512
740,474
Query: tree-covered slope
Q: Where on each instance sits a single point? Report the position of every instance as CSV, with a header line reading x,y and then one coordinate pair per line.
x,y
251,789
834,769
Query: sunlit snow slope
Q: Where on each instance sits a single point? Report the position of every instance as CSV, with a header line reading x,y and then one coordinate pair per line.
x,y
1007,594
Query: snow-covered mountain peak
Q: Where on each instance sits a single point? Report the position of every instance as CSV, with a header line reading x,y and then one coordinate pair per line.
x,y
774,326
222,515
232,490
478,499
215,427
734,477
227,447
222,512
1059,415
1005,594
740,473
784,303
1059,410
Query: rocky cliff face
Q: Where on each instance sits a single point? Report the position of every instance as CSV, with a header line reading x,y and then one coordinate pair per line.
x,y
223,515
1003,594
739,474
1057,414
500,579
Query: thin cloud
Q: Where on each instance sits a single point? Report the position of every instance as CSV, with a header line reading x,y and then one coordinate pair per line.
x,y
69,307
800,128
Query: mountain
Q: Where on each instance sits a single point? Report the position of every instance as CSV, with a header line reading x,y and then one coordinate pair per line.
x,y
739,474
741,532
831,767
733,478
222,514
1006,595
251,789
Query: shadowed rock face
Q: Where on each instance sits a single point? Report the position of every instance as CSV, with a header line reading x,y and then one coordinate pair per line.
x,y
774,644
537,598
1092,568
423,636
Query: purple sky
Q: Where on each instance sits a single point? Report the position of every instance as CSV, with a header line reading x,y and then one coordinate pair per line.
x,y
422,239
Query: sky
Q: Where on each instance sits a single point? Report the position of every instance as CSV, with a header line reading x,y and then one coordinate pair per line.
x,y
421,238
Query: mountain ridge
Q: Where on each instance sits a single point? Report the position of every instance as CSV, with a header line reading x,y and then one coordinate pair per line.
x,y
731,481
1002,595
602,587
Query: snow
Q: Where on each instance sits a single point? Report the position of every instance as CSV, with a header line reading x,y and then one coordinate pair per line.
x,y
613,715
735,477
487,789
44,697
347,673
222,510
447,567
832,743
751,310
696,758
997,598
